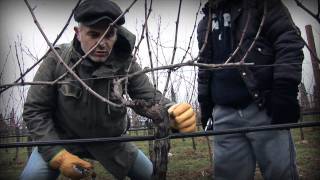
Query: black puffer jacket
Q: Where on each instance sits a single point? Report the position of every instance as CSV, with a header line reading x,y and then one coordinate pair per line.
x,y
278,43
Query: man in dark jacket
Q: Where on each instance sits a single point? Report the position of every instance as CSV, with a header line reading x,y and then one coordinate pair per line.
x,y
69,111
263,94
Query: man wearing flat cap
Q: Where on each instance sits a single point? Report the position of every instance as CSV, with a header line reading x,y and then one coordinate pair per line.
x,y
68,111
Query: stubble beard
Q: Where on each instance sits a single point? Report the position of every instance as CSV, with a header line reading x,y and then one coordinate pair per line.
x,y
98,59
100,55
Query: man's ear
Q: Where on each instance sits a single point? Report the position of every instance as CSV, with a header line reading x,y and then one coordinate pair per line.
x,y
77,32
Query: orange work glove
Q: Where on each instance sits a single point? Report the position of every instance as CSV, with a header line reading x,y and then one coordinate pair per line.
x,y
67,162
184,117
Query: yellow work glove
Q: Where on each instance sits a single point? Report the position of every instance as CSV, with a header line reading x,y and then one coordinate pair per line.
x,y
184,118
67,162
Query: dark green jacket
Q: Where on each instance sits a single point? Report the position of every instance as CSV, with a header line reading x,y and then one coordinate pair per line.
x,y
68,111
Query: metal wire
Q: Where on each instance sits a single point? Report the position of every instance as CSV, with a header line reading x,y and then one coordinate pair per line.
x,y
171,136
22,135
4,136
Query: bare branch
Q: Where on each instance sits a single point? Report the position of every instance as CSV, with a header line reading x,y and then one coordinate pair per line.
x,y
207,32
117,84
157,52
17,56
147,38
6,60
143,29
258,32
138,45
241,39
146,70
174,51
193,30
180,48
193,89
32,83
27,51
46,54
316,16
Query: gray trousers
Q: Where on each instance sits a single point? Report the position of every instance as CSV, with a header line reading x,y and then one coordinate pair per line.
x,y
235,155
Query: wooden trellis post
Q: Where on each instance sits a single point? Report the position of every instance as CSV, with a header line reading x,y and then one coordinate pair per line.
x,y
161,146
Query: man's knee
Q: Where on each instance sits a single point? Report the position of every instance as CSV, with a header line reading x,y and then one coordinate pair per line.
x,y
142,168
37,168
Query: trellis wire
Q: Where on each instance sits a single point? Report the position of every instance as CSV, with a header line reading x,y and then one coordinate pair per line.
x,y
171,136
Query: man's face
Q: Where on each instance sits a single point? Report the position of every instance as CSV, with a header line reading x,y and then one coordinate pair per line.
x,y
89,36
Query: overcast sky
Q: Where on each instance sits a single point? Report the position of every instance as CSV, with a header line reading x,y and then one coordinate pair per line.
x,y
16,25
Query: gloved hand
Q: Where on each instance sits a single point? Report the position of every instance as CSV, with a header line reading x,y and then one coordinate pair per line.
x,y
66,163
282,104
184,118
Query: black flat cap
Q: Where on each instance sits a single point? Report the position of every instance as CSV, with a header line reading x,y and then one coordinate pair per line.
x,y
91,12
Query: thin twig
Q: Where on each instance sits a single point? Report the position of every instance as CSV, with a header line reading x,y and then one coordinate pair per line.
x,y
17,56
147,38
51,83
258,32
241,39
170,47
189,45
179,65
316,16
6,60
174,67
207,33
193,89
173,52
143,29
46,54
157,52
137,47
192,33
